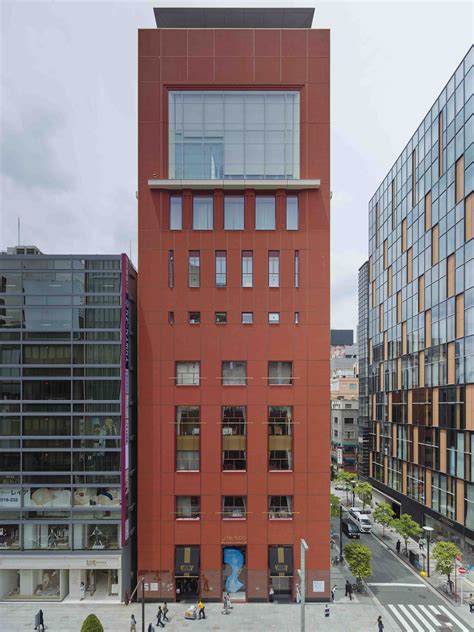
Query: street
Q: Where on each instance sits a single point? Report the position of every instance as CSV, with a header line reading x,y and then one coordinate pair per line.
x,y
410,601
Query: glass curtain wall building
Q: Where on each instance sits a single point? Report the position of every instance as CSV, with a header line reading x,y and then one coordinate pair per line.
x,y
362,341
421,320
67,425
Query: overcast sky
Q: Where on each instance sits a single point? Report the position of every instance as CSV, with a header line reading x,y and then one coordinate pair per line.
x,y
69,116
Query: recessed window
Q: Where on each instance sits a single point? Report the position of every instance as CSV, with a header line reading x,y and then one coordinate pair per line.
x,y
273,318
247,268
297,318
247,318
221,318
221,268
170,268
176,213
188,420
280,439
297,268
280,507
188,507
234,507
292,213
273,268
280,373
233,438
194,268
170,318
234,373
187,373
203,213
194,318
234,213
264,213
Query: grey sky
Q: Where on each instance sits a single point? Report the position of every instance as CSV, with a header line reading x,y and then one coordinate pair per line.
x,y
68,116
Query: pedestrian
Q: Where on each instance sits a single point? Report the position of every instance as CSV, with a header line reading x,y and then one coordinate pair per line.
x,y
333,592
380,623
133,624
225,604
271,592
151,628
159,618
421,544
348,589
398,546
298,594
471,603
41,621
82,590
165,612
229,602
201,611
326,610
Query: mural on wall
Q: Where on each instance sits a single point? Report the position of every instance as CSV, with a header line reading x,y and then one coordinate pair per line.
x,y
235,560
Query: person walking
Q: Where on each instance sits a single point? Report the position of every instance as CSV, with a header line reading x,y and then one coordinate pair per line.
x,y
225,604
398,546
151,628
133,624
333,592
348,589
298,594
159,618
271,592
201,611
82,590
380,623
421,544
165,612
471,603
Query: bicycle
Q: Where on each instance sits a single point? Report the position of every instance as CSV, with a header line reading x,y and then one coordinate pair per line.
x,y
338,560
359,587
447,587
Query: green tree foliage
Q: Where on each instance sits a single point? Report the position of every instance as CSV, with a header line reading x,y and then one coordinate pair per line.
x,y
359,559
364,492
91,624
335,504
384,515
445,554
344,479
407,528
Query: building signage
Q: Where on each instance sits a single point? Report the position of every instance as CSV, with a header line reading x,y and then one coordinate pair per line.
x,y
187,561
10,497
318,586
340,459
281,561
234,539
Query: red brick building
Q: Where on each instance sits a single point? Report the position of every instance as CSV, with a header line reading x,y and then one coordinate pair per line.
x,y
233,304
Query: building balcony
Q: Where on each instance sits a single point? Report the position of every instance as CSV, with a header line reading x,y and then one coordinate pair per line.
x,y
233,185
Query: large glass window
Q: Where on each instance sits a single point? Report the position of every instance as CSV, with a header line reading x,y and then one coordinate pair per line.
x,y
194,268
203,213
234,507
187,373
233,438
234,213
247,268
280,373
233,134
234,373
273,268
221,268
187,437
292,213
265,213
187,507
176,213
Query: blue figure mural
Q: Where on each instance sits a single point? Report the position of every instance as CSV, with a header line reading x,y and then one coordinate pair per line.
x,y
235,559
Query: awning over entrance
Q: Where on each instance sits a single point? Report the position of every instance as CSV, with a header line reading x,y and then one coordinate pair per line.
x,y
281,561
186,561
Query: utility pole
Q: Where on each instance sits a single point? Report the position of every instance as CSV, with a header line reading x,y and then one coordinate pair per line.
x,y
302,574
143,604
340,532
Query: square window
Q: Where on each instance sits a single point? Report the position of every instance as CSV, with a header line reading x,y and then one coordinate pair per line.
x,y
187,373
280,373
273,318
194,318
280,507
188,507
234,373
221,318
234,507
247,318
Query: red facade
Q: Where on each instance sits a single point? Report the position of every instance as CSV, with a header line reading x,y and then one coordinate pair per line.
x,y
240,59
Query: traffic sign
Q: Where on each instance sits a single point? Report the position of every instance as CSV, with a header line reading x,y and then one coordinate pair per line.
x,y
461,570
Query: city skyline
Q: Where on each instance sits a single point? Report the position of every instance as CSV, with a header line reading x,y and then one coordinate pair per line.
x,y
80,175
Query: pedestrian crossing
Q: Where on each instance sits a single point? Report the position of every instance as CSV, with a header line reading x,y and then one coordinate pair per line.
x,y
421,618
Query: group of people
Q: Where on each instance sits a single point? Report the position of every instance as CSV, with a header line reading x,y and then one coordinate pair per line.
x,y
161,619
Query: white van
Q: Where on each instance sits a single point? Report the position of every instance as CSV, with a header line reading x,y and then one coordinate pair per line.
x,y
360,520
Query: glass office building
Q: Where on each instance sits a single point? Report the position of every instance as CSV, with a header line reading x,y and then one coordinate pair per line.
x,y
67,424
362,342
421,320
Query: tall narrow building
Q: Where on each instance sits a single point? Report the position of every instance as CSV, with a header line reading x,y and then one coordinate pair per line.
x,y
362,342
233,304
421,320
67,426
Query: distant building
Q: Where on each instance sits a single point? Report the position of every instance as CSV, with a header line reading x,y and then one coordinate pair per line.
x,y
363,451
342,337
67,425
344,423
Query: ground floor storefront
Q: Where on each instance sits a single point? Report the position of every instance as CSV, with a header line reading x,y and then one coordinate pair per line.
x,y
191,578
60,577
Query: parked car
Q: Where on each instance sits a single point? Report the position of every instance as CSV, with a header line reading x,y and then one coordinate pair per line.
x,y
361,520
350,529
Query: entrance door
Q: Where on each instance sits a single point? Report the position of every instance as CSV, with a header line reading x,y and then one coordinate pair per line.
x,y
187,589
281,588
235,572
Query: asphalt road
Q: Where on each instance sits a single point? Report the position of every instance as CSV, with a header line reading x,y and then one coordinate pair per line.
x,y
410,601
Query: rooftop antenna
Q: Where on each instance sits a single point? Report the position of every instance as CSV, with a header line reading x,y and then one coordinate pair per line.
x,y
19,231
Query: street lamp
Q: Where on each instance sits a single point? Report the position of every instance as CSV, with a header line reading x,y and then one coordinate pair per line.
x,y
428,531
340,533
302,574
353,483
143,604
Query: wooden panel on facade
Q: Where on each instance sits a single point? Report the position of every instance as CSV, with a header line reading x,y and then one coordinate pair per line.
x,y
385,345
410,406
451,275
451,362
435,406
394,441
404,477
428,481
399,306
409,265
469,217
459,315
389,281
459,187
434,245
470,408
374,294
428,211
399,372
428,328
442,450
460,500
404,234
404,338
385,253
421,369
381,317
385,470
421,293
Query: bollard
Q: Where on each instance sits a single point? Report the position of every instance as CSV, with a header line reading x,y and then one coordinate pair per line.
x,y
326,610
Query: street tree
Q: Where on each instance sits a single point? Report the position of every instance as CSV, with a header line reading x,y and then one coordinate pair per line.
x,y
407,528
359,560
364,492
92,624
384,515
335,504
445,554
344,479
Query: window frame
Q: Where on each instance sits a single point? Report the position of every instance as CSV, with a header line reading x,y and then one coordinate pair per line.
x,y
188,362
224,378
208,214
296,211
176,213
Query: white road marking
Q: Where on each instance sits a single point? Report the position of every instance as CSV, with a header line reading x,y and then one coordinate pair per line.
x,y
408,614
395,584
453,618
422,618
400,618
428,614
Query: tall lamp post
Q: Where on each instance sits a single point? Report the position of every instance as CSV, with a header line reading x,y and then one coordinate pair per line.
x,y
302,573
353,483
340,532
428,531
143,604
